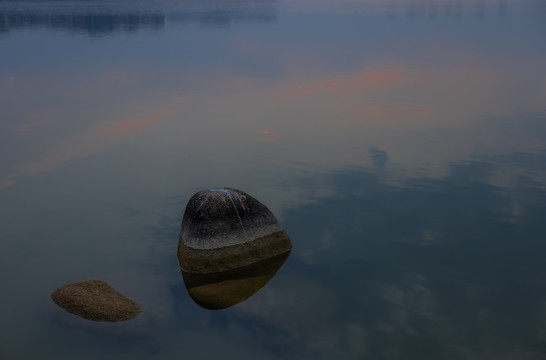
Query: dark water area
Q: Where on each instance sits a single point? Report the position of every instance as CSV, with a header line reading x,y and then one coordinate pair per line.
x,y
401,145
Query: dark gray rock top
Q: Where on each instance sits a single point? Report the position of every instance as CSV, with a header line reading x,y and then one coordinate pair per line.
x,y
225,217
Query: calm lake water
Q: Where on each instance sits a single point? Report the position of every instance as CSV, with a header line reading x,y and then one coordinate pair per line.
x,y
402,145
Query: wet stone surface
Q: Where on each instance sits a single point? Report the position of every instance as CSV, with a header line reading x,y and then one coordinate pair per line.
x,y
95,300
227,228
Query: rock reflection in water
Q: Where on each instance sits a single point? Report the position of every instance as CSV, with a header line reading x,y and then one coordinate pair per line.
x,y
223,289
229,247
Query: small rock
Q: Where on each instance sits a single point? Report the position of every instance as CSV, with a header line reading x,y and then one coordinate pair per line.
x,y
95,300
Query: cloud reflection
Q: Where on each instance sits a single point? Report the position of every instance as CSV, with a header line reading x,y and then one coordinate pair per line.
x,y
396,112
268,135
76,146
119,128
435,268
342,85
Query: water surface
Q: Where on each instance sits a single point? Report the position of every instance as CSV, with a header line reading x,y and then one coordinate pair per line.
x,y
402,144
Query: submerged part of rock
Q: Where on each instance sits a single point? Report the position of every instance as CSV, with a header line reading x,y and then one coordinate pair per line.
x,y
230,246
95,300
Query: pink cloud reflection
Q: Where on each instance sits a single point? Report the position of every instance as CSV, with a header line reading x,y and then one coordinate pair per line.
x,y
268,135
7,181
120,128
340,85
388,112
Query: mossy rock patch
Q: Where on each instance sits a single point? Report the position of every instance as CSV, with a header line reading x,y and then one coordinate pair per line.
x,y
95,300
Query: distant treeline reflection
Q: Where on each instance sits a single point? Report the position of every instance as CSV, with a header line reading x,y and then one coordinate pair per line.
x,y
91,24
96,17
102,17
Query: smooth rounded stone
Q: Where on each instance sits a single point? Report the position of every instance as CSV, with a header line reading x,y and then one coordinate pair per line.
x,y
227,228
223,289
95,300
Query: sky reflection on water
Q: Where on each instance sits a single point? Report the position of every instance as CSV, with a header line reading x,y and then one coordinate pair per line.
x,y
401,145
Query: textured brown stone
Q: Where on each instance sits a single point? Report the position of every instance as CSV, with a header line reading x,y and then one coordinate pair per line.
x,y
95,300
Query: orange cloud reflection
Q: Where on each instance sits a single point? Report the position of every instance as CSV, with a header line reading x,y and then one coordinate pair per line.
x,y
268,135
389,112
340,85
119,128
7,181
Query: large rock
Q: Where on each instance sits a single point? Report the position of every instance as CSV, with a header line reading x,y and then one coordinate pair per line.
x,y
226,228
95,300
229,247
